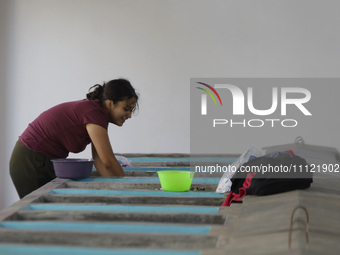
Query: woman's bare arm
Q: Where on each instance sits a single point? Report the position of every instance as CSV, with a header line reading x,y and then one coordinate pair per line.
x,y
105,160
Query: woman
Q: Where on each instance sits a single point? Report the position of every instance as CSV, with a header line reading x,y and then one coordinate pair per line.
x,y
70,127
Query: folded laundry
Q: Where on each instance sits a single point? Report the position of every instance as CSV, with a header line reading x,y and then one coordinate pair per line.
x,y
270,175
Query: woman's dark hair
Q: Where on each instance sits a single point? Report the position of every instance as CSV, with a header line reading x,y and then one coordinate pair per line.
x,y
115,90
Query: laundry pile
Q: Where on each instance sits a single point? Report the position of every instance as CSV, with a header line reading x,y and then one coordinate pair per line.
x,y
265,174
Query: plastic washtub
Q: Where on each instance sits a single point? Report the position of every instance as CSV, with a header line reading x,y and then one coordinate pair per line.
x,y
73,168
175,180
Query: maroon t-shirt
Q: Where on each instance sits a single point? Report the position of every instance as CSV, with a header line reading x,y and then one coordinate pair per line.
x,y
62,129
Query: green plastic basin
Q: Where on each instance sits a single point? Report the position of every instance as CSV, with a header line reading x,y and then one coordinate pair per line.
x,y
175,180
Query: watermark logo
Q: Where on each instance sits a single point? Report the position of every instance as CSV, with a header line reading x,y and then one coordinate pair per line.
x,y
204,97
243,100
258,111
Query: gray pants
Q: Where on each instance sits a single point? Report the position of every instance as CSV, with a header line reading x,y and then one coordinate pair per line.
x,y
29,170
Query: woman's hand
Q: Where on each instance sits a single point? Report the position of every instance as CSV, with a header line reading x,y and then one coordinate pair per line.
x,y
105,160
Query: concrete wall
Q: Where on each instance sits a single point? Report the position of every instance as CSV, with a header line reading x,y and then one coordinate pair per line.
x,y
57,49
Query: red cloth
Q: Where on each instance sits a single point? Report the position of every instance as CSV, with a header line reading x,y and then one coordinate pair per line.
x,y
242,191
61,129
291,152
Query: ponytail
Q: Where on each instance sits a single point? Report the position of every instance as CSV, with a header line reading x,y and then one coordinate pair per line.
x,y
95,92
115,90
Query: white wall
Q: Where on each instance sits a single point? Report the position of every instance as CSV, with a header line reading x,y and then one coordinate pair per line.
x,y
57,49
4,177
